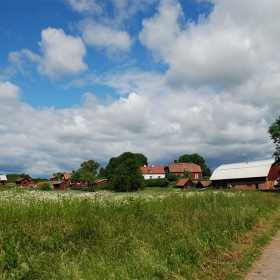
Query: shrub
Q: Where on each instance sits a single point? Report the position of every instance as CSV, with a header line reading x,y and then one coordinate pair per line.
x,y
171,177
160,182
44,186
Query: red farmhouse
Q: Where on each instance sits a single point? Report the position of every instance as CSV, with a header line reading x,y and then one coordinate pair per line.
x,y
179,168
24,182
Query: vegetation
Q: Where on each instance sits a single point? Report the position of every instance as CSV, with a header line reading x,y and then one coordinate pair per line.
x,y
123,172
86,173
274,131
180,235
196,158
160,182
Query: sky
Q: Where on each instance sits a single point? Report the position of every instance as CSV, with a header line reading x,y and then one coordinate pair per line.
x,y
90,79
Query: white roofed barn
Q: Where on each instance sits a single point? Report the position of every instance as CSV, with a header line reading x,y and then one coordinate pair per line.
x,y
248,175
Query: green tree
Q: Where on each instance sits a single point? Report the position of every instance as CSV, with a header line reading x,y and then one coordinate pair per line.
x,y
196,158
128,176
83,175
91,166
114,162
142,159
274,131
124,173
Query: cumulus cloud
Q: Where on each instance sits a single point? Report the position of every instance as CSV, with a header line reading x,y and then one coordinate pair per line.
x,y
62,55
9,92
102,36
224,50
218,97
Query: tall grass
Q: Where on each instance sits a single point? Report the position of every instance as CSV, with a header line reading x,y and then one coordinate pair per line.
x,y
182,235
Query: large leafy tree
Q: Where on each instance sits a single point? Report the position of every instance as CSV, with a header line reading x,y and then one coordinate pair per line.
x,y
82,175
91,166
196,158
274,131
124,173
86,173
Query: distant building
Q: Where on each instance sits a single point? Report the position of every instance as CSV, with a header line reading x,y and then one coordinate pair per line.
x,y
246,175
152,172
26,183
65,177
179,168
185,184
3,180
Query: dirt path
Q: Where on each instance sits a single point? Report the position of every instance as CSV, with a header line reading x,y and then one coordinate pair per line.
x,y
268,266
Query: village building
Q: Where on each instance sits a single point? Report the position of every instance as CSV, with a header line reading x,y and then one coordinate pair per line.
x,y
65,177
152,172
247,175
99,182
3,180
203,184
26,183
185,184
180,168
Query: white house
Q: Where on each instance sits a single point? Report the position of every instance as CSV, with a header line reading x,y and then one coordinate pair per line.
x,y
152,172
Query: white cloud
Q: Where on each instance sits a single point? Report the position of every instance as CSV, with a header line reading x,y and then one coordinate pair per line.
x,y
86,6
102,36
62,55
225,50
9,92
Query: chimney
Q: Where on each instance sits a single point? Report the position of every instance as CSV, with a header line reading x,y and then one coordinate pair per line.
x,y
175,160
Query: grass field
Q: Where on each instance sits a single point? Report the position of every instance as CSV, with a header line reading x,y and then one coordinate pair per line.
x,y
155,234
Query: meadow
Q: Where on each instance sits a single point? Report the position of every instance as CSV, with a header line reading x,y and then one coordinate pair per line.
x,y
103,235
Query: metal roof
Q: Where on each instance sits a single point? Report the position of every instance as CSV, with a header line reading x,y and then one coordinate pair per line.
x,y
3,177
248,169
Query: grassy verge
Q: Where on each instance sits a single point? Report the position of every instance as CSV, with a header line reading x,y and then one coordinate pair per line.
x,y
179,235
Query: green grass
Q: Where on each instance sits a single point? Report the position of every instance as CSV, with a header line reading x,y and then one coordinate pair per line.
x,y
176,235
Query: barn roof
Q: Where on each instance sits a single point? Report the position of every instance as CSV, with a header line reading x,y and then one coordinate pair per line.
x,y
183,182
3,177
182,166
152,169
248,169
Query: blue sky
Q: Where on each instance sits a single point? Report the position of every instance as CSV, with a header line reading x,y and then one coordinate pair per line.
x,y
88,79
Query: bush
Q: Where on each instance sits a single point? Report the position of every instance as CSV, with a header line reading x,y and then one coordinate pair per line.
x,y
161,182
171,177
44,186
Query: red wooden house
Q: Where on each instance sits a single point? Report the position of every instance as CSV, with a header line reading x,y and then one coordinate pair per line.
x,y
65,177
26,183
179,168
59,186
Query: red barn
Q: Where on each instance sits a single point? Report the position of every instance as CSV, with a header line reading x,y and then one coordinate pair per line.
x,y
59,186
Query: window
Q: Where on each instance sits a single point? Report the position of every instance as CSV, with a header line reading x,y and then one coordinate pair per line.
x,y
196,176
151,177
249,185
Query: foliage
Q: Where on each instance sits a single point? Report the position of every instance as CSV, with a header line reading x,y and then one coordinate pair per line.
x,y
91,166
196,158
83,175
159,182
114,162
142,160
11,178
187,175
44,186
274,131
58,174
107,236
171,177
127,175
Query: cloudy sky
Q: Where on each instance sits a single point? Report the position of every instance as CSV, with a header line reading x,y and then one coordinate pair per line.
x,y
91,79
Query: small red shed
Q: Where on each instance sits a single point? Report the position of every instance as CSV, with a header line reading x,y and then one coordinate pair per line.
x,y
185,184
